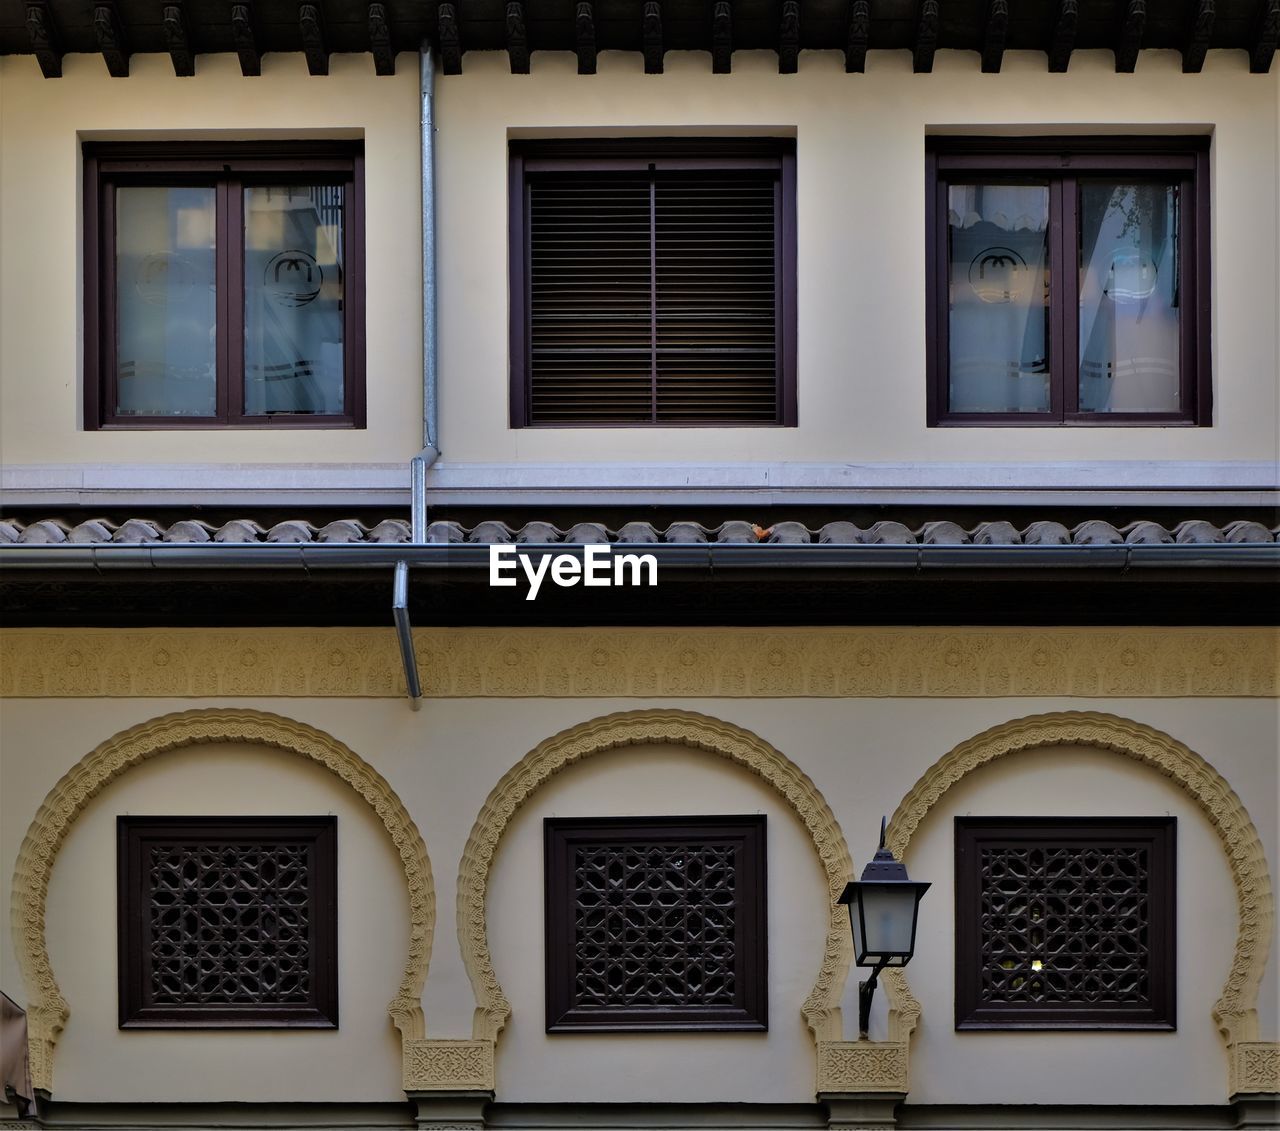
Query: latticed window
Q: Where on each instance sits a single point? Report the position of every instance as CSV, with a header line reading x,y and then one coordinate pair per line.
x,y
656,923
1065,922
653,282
228,921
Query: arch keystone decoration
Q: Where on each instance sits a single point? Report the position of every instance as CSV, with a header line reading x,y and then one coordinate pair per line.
x,y
47,1010
1253,1066
821,1009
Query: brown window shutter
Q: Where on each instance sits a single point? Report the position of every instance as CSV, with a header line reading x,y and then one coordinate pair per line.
x,y
716,298
590,305
653,296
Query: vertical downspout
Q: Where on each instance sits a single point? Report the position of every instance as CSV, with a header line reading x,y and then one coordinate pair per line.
x,y
430,405
404,633
430,401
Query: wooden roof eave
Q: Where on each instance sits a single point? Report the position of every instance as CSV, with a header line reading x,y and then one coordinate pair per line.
x,y
115,29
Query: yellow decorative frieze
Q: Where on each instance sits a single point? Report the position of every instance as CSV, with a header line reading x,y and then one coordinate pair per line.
x,y
643,662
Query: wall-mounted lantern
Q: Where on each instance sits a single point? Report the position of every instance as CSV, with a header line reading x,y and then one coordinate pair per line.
x,y
883,913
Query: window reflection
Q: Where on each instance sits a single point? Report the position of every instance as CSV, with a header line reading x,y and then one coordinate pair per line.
x,y
166,302
999,322
1128,297
293,296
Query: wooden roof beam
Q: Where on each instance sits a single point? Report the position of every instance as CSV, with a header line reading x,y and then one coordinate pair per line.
x,y
927,19
1198,37
789,38
651,36
380,47
855,51
1130,43
173,24
993,36
1264,40
584,33
722,38
46,41
1064,37
449,36
311,26
108,32
246,41
517,38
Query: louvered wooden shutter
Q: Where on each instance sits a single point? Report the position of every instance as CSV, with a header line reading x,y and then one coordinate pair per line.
x,y
653,296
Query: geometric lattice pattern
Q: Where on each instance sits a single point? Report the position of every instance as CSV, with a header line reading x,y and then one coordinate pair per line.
x,y
229,923
1062,923
1065,922
654,924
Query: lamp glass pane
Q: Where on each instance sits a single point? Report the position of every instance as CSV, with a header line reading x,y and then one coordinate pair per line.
x,y
855,922
889,912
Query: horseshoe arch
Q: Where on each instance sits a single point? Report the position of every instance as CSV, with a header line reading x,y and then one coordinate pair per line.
x,y
821,1009
1253,1065
47,1009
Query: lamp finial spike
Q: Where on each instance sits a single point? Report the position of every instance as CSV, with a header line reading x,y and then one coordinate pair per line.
x,y
883,822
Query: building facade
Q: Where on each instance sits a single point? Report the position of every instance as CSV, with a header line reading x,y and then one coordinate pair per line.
x,y
929,362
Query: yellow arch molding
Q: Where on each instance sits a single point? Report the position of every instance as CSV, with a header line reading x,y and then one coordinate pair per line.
x,y
821,1008
1253,1066
48,1011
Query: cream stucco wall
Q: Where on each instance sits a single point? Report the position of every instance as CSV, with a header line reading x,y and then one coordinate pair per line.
x,y
863,755
860,142
42,123
861,239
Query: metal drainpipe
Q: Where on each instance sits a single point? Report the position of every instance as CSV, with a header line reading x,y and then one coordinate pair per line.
x,y
430,403
404,633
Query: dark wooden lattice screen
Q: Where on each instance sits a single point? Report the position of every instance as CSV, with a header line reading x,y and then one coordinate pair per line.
x,y
228,921
656,924
652,291
1064,923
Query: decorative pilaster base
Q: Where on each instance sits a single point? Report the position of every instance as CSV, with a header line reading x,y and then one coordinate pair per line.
x,y
432,1066
866,1111
1258,1111
1255,1068
450,1111
862,1067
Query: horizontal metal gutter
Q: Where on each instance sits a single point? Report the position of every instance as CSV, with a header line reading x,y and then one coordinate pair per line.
x,y
308,557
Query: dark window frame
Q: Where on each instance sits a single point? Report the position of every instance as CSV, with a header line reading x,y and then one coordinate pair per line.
x,y
1060,160
751,1010
136,1012
226,167
1158,833
658,155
